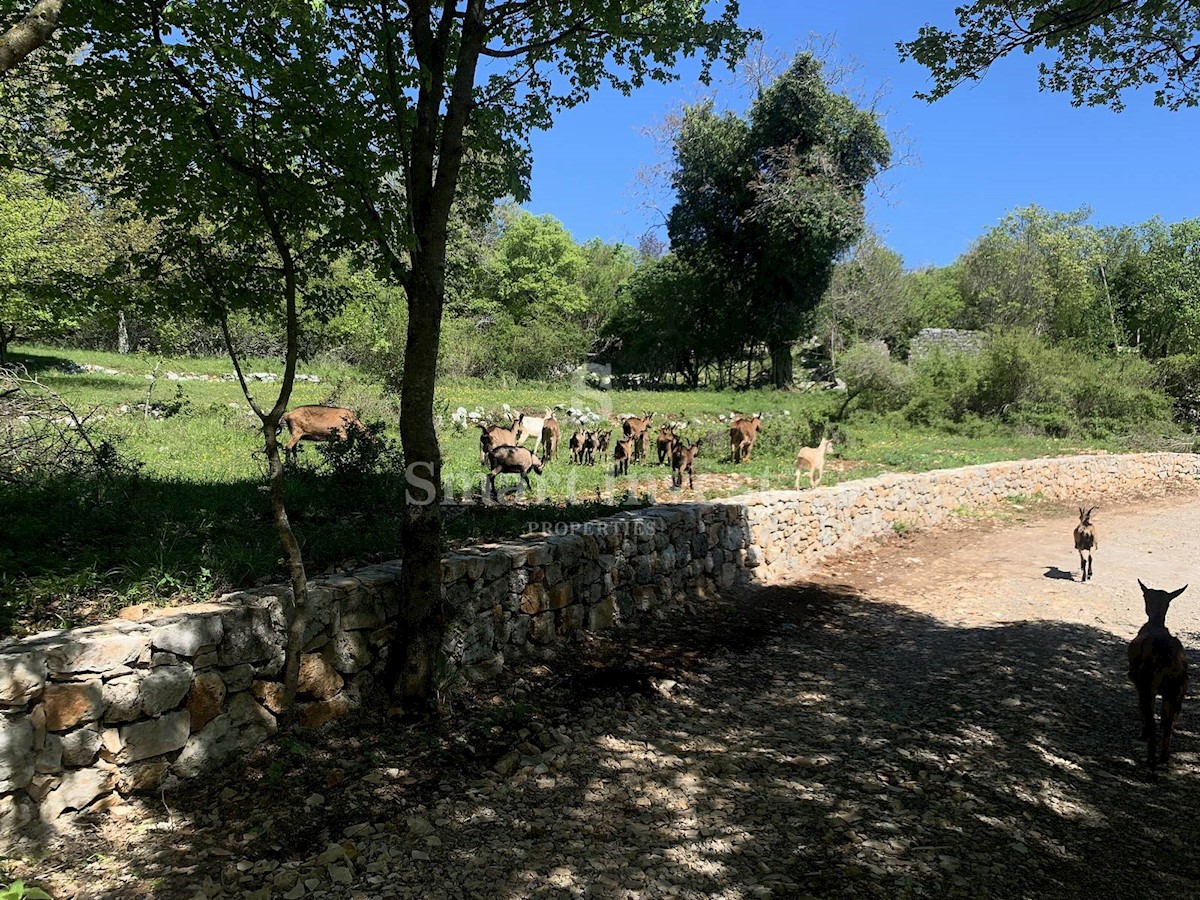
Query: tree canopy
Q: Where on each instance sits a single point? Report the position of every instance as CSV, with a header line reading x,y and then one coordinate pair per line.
x,y
1099,48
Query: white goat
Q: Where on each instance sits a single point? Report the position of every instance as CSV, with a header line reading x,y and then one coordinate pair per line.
x,y
812,459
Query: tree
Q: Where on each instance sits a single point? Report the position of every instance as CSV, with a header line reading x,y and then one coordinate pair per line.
x,y
869,297
1157,288
936,295
302,126
32,30
1041,271
772,202
537,267
1101,48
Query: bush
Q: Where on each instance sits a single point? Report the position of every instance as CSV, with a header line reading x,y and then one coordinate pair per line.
x,y
873,379
942,388
1179,377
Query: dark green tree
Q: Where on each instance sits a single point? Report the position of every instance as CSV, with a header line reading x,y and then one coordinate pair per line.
x,y
1100,48
770,203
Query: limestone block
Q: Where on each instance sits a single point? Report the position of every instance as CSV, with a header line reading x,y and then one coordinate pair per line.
x,y
68,705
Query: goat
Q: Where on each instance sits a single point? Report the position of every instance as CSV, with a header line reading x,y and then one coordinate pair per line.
x,y
495,436
576,446
812,459
319,423
1086,540
666,443
530,427
602,441
636,428
1157,666
588,450
622,450
551,435
511,460
742,435
682,459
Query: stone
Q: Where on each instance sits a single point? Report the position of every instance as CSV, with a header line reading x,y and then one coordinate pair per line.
x,y
22,675
238,678
602,615
15,813
348,652
50,758
78,788
249,637
68,705
560,595
164,689
318,678
314,715
534,599
97,649
79,747
122,698
541,629
205,699
154,737
142,777
243,725
270,694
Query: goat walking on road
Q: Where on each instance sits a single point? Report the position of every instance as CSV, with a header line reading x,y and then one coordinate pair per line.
x,y
812,460
1086,540
1158,667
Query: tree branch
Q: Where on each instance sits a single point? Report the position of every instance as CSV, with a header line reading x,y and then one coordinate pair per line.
x,y
34,30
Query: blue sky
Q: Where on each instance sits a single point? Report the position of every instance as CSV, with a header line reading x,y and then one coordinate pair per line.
x,y
980,152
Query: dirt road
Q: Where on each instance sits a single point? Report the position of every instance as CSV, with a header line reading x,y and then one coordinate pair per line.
x,y
943,715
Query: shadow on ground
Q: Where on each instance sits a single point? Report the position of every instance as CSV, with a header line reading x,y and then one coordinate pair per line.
x,y
787,742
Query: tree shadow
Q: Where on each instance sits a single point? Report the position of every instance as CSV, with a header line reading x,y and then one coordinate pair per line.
x,y
791,741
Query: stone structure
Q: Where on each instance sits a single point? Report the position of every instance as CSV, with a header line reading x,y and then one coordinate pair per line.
x,y
948,340
93,714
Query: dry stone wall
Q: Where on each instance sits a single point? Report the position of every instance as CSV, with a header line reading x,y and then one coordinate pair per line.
x,y
91,715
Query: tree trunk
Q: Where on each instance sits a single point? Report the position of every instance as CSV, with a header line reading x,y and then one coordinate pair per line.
x,y
781,364
31,32
122,333
412,667
5,337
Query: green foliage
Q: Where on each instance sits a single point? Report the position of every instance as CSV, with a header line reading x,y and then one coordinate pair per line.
x,y
942,388
1179,377
936,297
868,298
873,379
1097,50
767,204
1158,287
17,890
536,268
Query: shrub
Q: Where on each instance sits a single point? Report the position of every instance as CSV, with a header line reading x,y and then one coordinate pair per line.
x,y
942,388
1179,377
873,379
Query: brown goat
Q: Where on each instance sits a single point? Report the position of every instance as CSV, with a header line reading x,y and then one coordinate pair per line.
x,y
551,435
320,423
742,435
1158,666
812,459
682,459
512,461
603,439
666,443
495,436
637,428
576,446
1086,540
622,451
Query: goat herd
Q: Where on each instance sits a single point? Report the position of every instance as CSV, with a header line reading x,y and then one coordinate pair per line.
x,y
502,450
1157,663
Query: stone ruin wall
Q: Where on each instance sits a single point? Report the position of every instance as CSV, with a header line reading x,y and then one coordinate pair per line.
x,y
948,340
91,715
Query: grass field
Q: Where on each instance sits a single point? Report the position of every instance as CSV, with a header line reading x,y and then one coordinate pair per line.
x,y
195,519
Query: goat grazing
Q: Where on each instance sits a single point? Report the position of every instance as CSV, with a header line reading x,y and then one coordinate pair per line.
x,y
622,450
742,435
1086,540
812,460
682,459
636,428
666,443
551,435
495,436
512,461
319,423
1157,666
